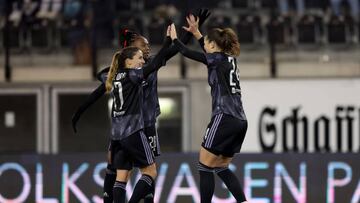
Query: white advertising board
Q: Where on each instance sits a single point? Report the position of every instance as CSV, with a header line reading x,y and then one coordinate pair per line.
x,y
319,115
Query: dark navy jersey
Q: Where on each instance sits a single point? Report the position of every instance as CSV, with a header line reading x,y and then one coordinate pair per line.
x,y
127,94
148,106
151,107
128,98
224,81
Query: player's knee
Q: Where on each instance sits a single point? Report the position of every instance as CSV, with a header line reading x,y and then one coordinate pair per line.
x,y
223,164
122,175
150,170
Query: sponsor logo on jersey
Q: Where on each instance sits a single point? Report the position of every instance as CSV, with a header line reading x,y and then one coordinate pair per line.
x,y
118,113
120,76
144,83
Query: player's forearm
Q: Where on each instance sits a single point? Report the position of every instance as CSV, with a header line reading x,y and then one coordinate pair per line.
x,y
159,59
92,98
202,43
197,34
195,55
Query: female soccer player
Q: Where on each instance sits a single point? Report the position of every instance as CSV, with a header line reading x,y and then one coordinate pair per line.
x,y
127,38
227,128
151,107
129,145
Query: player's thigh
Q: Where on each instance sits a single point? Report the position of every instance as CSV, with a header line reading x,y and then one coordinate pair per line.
x,y
224,161
208,158
122,175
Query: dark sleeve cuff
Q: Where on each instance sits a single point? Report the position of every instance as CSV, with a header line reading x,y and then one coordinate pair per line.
x,y
167,41
202,42
99,74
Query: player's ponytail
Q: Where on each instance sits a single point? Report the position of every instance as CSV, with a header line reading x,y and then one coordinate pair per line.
x,y
118,62
113,69
226,39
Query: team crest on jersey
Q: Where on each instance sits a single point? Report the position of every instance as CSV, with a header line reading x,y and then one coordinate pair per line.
x,y
144,83
120,76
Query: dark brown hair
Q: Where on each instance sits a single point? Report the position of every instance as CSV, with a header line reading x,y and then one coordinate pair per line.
x,y
128,37
118,61
226,39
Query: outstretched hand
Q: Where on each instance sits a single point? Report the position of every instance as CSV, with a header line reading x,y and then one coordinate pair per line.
x,y
173,34
168,30
193,24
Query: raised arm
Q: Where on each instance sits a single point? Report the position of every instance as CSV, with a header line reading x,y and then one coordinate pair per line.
x,y
193,27
192,54
159,59
92,98
195,55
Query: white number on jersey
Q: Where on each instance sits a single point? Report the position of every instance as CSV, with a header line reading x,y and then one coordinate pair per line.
x,y
118,99
234,77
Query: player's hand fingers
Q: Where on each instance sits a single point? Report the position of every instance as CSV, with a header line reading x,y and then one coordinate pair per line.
x,y
186,28
188,20
173,31
192,18
168,31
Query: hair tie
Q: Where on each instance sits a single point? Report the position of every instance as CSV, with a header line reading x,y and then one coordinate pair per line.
x,y
125,40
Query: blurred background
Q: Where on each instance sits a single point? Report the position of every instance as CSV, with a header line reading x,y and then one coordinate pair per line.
x,y
300,76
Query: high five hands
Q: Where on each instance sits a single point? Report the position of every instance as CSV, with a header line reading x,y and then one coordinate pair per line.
x,y
172,31
193,27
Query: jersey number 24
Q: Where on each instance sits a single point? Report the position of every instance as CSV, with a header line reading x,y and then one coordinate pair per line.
x,y
234,77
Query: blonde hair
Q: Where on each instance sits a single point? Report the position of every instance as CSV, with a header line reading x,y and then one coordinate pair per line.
x,y
113,70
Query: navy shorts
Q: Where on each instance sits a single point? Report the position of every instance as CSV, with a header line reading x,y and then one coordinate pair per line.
x,y
153,139
224,135
133,151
